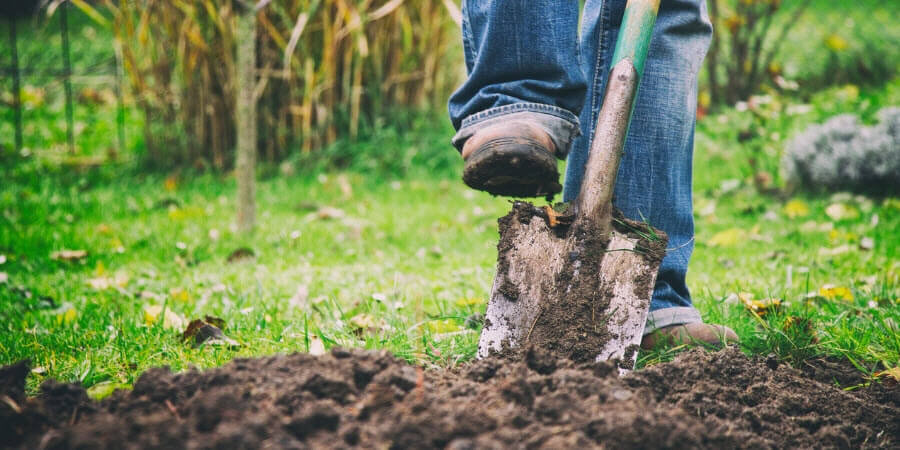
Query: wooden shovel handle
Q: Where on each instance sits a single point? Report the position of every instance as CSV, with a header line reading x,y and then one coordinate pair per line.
x,y
594,201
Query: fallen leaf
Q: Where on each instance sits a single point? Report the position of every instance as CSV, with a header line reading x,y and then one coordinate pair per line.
x,y
551,216
759,307
202,332
217,322
69,255
103,228
796,208
841,211
66,315
866,243
727,238
179,294
172,319
442,326
240,254
330,213
839,250
832,292
170,184
893,373
363,321
104,389
316,346
469,301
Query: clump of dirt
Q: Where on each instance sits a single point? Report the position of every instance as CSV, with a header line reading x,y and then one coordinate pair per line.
x,y
356,399
572,324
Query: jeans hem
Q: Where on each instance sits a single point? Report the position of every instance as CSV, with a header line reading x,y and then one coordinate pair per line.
x,y
561,125
666,317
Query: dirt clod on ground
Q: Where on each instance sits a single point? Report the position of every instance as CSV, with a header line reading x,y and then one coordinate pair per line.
x,y
367,399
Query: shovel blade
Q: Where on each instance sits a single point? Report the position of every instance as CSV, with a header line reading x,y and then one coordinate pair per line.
x,y
539,272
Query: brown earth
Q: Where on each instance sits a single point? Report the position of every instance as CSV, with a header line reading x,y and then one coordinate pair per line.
x,y
367,399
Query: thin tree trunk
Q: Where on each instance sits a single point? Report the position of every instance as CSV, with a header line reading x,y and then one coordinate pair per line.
x,y
245,120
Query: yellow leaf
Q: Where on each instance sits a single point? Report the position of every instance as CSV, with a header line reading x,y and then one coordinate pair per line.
x,y
172,319
103,228
66,317
796,208
179,294
893,373
727,238
170,184
836,43
841,211
471,301
363,321
759,307
442,326
831,292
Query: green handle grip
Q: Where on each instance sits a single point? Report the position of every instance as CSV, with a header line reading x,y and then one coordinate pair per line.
x,y
635,33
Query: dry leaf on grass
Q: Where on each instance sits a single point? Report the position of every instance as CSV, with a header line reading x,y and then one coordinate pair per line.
x,y
171,320
69,255
205,332
796,208
330,213
316,346
759,307
727,238
832,292
893,373
841,211
240,254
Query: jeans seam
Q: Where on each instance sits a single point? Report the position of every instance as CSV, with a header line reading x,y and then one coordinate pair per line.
x,y
598,74
556,111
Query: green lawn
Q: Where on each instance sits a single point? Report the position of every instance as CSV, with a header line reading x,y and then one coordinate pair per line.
x,y
405,263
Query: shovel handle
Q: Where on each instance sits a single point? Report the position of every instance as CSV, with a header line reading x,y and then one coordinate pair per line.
x,y
594,201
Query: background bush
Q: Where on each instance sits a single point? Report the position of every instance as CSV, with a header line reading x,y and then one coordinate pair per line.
x,y
842,154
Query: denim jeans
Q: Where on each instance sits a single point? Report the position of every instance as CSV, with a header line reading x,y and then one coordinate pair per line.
x,y
528,59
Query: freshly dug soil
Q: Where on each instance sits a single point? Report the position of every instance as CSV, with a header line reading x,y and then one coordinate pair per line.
x,y
367,399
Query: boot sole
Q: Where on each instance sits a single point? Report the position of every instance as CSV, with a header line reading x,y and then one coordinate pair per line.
x,y
513,167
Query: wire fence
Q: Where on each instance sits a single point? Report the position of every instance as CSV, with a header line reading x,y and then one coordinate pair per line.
x,y
62,85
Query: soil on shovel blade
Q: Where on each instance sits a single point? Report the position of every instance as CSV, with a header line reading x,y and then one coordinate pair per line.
x,y
571,325
368,399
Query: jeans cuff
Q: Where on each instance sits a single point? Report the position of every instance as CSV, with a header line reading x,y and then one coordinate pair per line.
x,y
560,124
665,317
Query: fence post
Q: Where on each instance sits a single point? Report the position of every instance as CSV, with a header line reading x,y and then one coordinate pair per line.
x,y
17,90
67,72
245,118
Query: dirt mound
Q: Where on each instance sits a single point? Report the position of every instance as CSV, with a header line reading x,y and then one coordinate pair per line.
x,y
367,399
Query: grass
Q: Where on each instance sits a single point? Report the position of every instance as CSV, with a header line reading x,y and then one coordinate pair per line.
x,y
405,263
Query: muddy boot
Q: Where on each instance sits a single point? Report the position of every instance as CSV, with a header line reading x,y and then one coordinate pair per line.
x,y
515,159
690,334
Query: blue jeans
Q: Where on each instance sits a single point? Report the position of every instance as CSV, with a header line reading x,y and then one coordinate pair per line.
x,y
526,59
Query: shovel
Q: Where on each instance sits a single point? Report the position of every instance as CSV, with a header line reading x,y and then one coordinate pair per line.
x,y
577,282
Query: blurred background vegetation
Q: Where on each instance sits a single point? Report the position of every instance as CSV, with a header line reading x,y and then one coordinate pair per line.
x,y
332,71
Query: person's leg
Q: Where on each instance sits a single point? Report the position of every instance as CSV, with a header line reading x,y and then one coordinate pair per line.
x,y
523,66
654,179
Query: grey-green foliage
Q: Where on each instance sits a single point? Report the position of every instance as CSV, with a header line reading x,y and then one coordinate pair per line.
x,y
843,154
